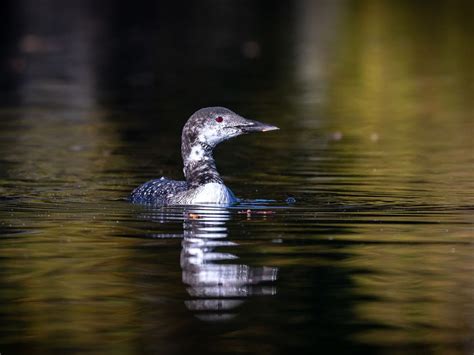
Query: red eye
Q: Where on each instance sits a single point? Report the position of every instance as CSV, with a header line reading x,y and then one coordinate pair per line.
x,y
219,119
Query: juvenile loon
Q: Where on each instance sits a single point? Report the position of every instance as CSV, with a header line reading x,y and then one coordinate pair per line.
x,y
205,129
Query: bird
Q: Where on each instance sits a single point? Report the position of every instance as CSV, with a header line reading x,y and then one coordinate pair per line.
x,y
203,131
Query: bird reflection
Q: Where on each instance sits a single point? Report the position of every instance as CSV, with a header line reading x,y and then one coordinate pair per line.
x,y
216,283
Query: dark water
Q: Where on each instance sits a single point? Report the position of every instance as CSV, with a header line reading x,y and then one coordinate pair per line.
x,y
374,255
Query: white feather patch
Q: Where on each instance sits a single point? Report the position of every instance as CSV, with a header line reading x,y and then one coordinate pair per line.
x,y
213,193
197,153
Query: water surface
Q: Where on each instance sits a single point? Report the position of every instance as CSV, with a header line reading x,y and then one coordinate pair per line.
x,y
372,253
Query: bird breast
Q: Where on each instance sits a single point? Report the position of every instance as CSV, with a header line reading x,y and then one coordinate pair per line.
x,y
210,193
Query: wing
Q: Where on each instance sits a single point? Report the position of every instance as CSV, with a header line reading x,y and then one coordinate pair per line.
x,y
158,191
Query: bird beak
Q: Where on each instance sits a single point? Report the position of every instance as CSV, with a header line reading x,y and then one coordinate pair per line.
x,y
255,126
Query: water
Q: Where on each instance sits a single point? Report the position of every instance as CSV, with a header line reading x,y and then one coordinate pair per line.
x,y
356,234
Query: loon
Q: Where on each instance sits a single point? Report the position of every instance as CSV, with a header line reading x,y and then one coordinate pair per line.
x,y
203,131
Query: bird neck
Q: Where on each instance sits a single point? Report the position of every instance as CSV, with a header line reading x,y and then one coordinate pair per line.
x,y
199,166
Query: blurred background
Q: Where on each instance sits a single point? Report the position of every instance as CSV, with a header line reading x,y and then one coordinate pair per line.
x,y
375,102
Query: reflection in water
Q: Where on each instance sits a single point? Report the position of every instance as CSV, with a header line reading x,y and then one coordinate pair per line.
x,y
216,285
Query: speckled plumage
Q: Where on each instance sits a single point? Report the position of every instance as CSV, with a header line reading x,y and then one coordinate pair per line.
x,y
202,132
158,191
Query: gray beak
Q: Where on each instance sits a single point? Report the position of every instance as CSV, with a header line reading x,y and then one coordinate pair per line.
x,y
255,126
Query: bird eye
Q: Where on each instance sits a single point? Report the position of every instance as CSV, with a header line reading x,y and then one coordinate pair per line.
x,y
219,119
